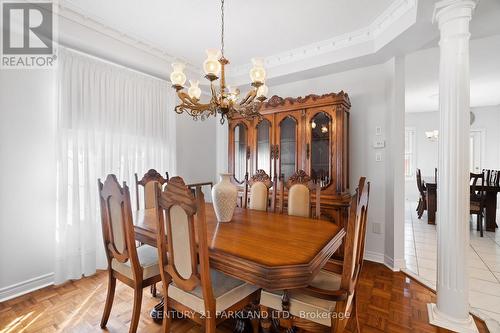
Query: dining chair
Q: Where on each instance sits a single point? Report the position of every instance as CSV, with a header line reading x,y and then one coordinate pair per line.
x,y
422,200
190,286
330,299
477,198
300,188
135,267
259,185
150,179
239,184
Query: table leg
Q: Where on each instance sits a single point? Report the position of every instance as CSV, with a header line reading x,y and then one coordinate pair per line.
x,y
491,210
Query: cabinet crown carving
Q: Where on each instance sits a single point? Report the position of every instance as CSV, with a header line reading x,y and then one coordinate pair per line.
x,y
334,98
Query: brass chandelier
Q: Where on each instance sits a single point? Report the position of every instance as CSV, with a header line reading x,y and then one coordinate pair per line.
x,y
224,100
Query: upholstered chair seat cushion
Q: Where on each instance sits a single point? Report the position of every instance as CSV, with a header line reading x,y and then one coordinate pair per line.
x,y
258,196
298,201
305,306
148,257
227,291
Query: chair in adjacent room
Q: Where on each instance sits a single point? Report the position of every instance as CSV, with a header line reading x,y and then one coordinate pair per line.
x,y
477,198
189,284
150,179
326,303
135,267
422,200
259,185
300,188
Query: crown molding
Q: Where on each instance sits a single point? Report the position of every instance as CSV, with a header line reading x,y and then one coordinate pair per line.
x,y
350,45
69,11
369,34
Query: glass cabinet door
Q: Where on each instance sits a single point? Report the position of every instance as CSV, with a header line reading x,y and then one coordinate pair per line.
x,y
320,148
288,147
240,152
263,148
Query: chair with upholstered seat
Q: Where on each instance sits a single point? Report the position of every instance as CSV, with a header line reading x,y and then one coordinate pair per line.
x,y
331,297
259,185
136,267
150,181
190,286
422,200
300,188
477,198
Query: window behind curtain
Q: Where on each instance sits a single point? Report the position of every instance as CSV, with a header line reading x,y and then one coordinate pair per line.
x,y
410,152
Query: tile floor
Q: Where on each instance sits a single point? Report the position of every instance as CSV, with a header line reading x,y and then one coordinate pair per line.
x,y
483,261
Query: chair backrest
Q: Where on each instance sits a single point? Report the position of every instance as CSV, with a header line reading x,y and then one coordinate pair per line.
x,y
150,181
477,181
178,230
300,186
420,184
117,223
355,237
259,185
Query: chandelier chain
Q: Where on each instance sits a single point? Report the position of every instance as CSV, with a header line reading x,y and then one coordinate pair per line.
x,y
222,28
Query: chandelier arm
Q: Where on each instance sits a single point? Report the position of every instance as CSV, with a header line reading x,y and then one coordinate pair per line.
x,y
249,97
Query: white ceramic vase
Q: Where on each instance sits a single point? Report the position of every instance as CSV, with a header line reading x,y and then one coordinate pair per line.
x,y
224,196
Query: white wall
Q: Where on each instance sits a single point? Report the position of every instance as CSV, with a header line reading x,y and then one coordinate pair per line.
x,y
196,150
27,175
367,89
486,118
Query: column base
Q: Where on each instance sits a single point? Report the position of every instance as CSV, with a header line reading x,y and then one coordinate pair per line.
x,y
439,319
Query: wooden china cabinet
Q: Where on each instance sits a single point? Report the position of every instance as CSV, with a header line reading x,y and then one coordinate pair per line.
x,y
309,133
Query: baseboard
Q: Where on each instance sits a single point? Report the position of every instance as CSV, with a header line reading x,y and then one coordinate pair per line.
x,y
27,286
374,256
384,260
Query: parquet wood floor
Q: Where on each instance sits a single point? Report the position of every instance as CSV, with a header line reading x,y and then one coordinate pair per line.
x,y
388,302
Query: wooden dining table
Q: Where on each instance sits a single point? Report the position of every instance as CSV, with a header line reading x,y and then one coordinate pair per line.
x,y
490,217
270,250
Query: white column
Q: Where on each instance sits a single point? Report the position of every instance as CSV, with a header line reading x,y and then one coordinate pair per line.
x,y
452,308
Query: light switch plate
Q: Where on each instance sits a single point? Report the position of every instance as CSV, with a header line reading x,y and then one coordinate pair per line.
x,y
378,130
377,228
379,143
378,157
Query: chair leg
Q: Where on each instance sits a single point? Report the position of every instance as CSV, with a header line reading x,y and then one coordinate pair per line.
x,y
153,290
265,320
166,311
210,324
136,312
109,299
355,306
480,222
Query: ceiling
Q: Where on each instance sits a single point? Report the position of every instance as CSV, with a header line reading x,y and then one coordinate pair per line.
x,y
257,28
298,39
422,76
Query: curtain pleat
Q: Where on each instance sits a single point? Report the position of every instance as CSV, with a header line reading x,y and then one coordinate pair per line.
x,y
110,120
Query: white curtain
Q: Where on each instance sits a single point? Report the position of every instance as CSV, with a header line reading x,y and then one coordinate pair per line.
x,y
110,120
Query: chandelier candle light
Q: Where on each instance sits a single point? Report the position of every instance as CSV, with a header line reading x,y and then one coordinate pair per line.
x,y
224,100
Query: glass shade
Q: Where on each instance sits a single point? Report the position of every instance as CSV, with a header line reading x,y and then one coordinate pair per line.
x,y
211,65
258,73
177,77
194,91
262,91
